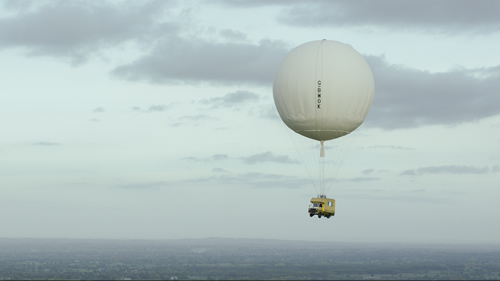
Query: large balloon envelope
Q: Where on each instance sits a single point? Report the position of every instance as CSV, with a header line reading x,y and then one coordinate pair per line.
x,y
323,89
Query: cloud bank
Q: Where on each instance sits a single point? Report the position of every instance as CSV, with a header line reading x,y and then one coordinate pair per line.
x,y
268,157
450,16
231,99
407,97
252,180
195,60
76,29
449,169
445,16
252,159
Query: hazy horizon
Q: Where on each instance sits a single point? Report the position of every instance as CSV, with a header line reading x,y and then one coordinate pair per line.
x,y
224,259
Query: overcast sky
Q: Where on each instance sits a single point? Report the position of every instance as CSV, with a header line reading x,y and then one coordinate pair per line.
x,y
155,120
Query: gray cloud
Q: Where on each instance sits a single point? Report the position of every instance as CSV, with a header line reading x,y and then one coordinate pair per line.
x,y
257,3
218,157
146,185
215,157
231,99
46,143
98,109
252,180
360,179
447,169
219,170
154,108
194,60
267,112
268,157
263,180
495,169
253,159
192,159
233,35
191,119
76,29
371,171
157,108
195,117
448,16
396,147
367,171
402,198
406,97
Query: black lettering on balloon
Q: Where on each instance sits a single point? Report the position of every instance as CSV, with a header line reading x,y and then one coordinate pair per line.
x,y
318,102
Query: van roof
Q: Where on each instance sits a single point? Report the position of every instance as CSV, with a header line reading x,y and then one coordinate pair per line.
x,y
321,200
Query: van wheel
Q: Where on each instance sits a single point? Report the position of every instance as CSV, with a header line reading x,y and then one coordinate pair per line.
x,y
311,215
319,216
327,216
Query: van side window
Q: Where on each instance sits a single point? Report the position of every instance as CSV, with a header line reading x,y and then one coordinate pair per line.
x,y
329,203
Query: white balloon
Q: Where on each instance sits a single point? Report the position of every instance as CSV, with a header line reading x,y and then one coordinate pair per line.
x,y
323,89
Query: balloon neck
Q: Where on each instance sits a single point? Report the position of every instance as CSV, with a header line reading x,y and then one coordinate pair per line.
x,y
322,149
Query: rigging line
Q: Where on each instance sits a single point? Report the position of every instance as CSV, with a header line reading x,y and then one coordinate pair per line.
x,y
335,163
346,148
301,147
323,164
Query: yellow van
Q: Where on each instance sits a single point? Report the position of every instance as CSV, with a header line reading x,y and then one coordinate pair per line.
x,y
322,206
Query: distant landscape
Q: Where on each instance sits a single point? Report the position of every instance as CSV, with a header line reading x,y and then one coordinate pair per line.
x,y
222,258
